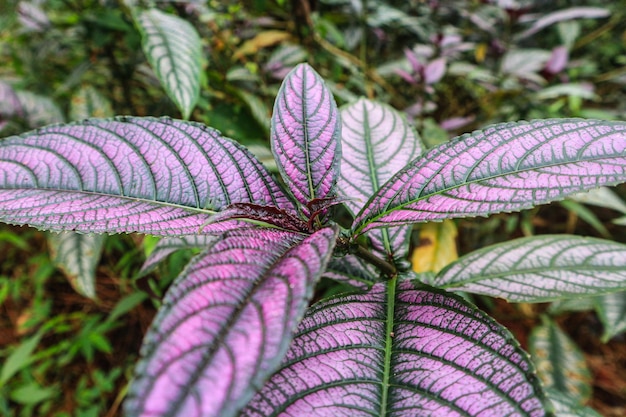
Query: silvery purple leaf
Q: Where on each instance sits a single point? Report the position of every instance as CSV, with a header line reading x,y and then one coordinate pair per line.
x,y
506,167
174,50
611,309
226,323
77,255
155,176
305,135
38,110
10,105
32,17
540,268
563,15
400,351
434,71
376,142
169,245
414,60
558,60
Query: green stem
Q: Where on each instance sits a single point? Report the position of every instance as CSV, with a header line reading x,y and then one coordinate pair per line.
x,y
391,309
386,268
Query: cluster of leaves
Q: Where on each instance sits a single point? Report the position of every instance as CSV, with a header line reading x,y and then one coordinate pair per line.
x,y
421,59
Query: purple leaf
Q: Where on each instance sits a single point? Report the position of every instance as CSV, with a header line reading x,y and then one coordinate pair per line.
x,y
38,110
156,176
506,167
434,71
403,351
406,76
32,17
540,268
563,15
226,323
270,215
305,135
10,105
414,60
558,60
455,123
377,142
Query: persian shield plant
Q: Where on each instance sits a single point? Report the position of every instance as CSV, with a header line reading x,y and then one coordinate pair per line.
x,y
235,334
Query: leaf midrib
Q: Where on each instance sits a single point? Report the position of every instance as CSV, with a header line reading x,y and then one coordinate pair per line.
x,y
421,197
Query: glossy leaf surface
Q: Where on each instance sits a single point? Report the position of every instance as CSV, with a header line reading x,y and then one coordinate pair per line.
x,y
77,255
305,135
174,50
376,143
155,176
540,268
506,167
409,352
226,323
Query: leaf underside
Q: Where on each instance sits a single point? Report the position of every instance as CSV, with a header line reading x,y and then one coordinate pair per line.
x,y
506,167
156,176
226,323
540,268
305,135
174,50
445,359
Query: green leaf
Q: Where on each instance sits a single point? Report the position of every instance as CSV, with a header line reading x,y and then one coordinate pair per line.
x,y
174,50
126,304
560,363
19,358
88,102
601,197
32,393
587,215
611,309
77,255
566,406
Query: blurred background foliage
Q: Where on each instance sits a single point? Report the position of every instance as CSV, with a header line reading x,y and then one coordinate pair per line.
x,y
67,346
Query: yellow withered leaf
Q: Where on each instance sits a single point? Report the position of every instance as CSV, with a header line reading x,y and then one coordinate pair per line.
x,y
437,247
260,41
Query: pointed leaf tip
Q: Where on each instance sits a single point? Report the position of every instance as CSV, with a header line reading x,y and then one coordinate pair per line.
x,y
174,50
506,167
226,323
305,135
539,269
129,174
